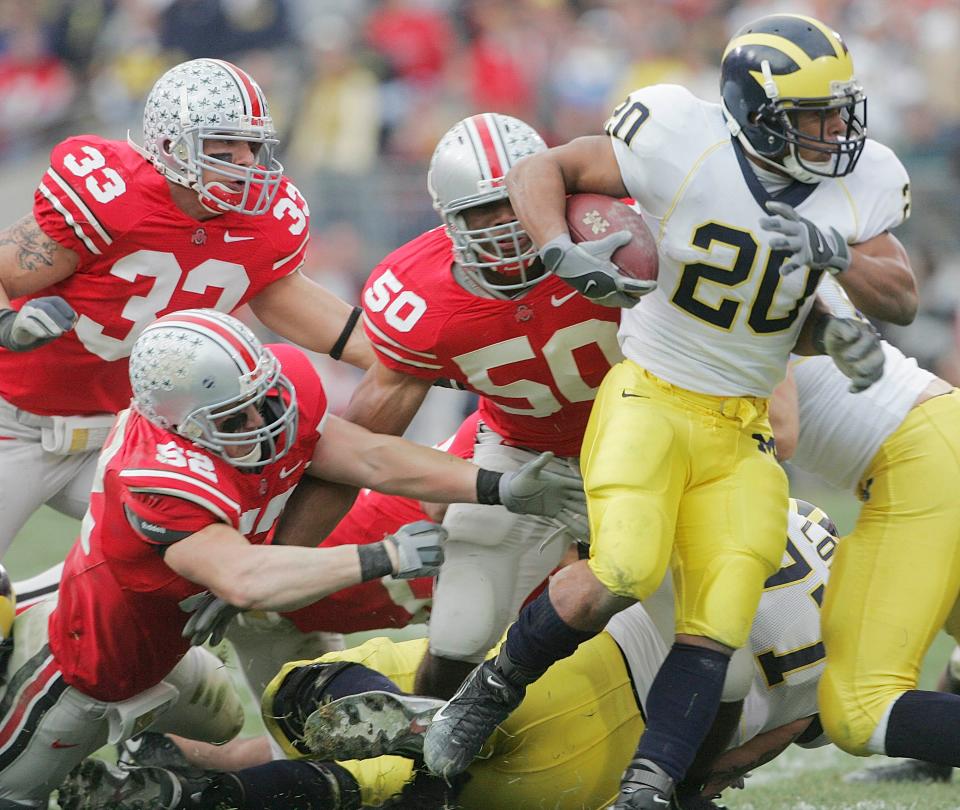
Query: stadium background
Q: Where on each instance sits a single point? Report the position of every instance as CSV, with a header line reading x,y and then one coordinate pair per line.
x,y
361,90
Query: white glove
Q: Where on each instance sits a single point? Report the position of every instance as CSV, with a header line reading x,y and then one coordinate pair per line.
x,y
38,322
810,246
854,346
419,548
531,490
587,268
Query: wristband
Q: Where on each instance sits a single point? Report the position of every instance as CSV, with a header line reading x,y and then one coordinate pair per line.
x,y
374,561
819,328
488,487
337,351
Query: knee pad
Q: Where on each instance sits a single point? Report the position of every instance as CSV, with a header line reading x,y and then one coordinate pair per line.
x,y
464,621
849,718
478,524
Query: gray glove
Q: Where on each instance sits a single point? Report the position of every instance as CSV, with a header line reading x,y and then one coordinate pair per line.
x,y
810,246
854,346
531,490
38,322
209,620
587,268
419,548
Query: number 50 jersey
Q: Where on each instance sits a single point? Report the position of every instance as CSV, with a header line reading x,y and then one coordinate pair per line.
x,y
536,361
723,320
140,257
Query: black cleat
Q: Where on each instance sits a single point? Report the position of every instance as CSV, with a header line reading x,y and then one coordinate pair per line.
x,y
911,770
370,724
96,785
152,750
644,786
461,727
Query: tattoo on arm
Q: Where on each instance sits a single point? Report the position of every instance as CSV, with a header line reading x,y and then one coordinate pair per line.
x,y
35,250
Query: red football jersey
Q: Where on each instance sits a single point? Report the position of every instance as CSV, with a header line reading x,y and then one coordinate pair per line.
x,y
385,602
535,361
140,257
116,629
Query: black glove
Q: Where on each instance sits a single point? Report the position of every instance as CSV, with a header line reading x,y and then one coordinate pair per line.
x,y
587,268
210,617
38,322
810,246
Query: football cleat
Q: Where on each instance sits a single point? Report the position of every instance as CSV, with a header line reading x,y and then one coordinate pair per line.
x,y
154,750
95,784
911,770
370,724
461,727
644,786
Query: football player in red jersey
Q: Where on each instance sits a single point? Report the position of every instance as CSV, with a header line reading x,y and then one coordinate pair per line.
x,y
189,487
197,215
470,301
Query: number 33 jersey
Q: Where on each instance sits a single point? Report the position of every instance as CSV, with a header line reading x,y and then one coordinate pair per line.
x,y
722,320
536,361
140,257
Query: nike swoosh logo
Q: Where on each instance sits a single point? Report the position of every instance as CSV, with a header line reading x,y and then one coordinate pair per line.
x,y
284,472
57,744
559,302
626,394
228,238
589,286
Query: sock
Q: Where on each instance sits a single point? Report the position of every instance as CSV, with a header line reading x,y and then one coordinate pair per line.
x,y
357,678
925,725
283,785
681,706
537,639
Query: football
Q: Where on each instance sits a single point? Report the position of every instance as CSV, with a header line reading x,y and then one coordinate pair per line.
x,y
594,216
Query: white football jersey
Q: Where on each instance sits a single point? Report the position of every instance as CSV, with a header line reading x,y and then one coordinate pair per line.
x,y
840,432
722,320
785,637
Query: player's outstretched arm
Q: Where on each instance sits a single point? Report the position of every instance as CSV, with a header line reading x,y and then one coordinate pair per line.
x,y
313,317
785,416
30,261
282,578
350,454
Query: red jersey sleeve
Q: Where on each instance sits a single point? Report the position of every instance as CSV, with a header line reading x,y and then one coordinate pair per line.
x,y
311,397
161,519
78,201
288,228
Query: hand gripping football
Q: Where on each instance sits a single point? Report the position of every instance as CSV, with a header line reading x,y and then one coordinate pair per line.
x,y
594,216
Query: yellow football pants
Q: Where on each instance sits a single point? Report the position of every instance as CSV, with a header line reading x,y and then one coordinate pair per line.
x,y
686,479
895,579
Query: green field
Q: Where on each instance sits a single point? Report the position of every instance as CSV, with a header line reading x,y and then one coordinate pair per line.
x,y
797,780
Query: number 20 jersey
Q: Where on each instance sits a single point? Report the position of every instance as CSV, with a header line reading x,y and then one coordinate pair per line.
x,y
536,361
140,257
722,320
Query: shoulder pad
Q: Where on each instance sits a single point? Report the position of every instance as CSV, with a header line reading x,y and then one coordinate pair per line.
x,y
880,189
287,226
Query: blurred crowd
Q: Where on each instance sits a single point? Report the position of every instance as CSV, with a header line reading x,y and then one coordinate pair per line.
x,y
362,90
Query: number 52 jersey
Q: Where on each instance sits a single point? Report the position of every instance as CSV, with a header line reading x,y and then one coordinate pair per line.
x,y
722,320
140,257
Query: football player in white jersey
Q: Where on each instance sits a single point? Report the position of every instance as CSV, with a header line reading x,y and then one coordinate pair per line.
x,y
896,580
564,748
751,202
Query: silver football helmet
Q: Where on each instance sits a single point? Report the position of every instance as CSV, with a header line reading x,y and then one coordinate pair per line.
x,y
467,170
209,99
191,370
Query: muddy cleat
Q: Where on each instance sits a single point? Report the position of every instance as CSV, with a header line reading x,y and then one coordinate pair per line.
x,y
461,727
153,750
911,770
97,785
370,724
644,786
